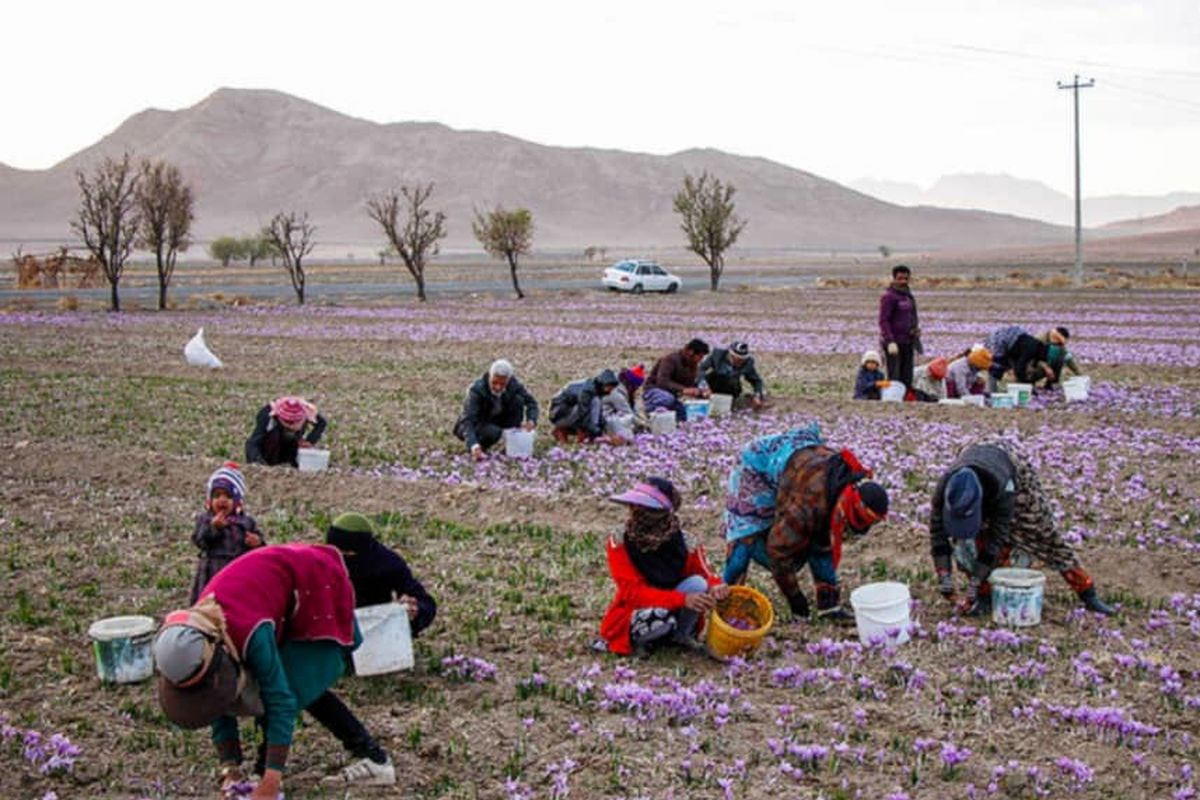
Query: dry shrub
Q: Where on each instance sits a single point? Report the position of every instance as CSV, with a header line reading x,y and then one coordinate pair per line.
x,y
68,303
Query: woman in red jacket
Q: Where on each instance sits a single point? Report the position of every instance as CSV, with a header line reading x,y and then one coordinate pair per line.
x,y
664,585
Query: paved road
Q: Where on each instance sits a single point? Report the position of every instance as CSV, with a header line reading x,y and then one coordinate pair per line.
x,y
316,292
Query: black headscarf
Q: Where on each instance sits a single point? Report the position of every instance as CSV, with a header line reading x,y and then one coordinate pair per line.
x,y
655,542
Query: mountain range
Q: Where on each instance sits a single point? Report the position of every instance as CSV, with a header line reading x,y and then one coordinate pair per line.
x,y
1005,194
250,153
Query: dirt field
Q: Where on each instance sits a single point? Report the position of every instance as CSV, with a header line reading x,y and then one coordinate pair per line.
x,y
109,438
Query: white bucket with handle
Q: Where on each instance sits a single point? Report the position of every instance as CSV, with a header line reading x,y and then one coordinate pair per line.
x,y
1023,392
893,392
387,639
1003,400
311,459
881,609
619,425
662,422
1076,389
1017,596
518,443
122,648
720,405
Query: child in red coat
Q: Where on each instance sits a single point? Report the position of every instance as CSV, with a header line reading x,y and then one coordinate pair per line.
x,y
664,585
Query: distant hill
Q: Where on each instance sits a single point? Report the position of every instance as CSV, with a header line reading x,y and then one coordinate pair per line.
x,y
252,152
1025,198
1184,218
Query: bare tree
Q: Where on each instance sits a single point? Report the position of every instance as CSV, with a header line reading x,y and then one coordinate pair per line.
x,y
165,203
415,238
711,227
291,234
108,218
505,234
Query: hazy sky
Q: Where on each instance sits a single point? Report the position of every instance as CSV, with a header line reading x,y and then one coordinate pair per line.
x,y
898,90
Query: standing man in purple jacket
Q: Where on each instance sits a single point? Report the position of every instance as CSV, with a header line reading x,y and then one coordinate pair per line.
x,y
899,334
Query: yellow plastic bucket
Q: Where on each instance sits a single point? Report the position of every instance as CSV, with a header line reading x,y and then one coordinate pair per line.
x,y
746,606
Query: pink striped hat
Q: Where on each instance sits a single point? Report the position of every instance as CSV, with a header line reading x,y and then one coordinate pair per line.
x,y
292,412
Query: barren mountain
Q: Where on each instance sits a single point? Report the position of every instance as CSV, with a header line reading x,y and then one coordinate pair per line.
x,y
1006,194
250,153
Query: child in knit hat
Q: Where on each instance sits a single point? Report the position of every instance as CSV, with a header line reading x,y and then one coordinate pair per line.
x,y
224,530
622,401
870,379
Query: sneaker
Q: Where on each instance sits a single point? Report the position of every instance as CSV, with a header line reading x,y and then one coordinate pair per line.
x,y
364,772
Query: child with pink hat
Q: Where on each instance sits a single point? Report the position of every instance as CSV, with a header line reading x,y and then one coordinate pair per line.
x,y
282,427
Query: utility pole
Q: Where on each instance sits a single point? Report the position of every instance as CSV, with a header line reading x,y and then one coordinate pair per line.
x,y
1075,86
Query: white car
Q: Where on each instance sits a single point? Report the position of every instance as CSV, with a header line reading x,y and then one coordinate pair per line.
x,y
640,276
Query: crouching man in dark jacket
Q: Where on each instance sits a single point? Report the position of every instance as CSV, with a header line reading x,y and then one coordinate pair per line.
x,y
723,370
494,402
577,410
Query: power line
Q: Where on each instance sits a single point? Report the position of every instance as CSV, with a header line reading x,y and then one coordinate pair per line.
x,y
1151,72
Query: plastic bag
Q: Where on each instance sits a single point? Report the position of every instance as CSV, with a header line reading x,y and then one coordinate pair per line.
x,y
197,353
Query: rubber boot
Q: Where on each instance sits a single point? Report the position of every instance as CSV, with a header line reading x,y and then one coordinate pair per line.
x,y
798,603
829,599
1092,602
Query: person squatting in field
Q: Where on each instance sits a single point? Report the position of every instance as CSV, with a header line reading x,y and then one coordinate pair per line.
x,y
623,400
577,410
870,381
281,428
378,573
495,402
664,587
674,377
791,501
989,510
724,369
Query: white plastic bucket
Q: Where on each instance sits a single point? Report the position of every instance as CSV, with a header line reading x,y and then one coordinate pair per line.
x,y
387,639
1022,392
952,401
619,425
1003,400
310,459
1017,596
662,422
122,648
518,443
1076,389
893,392
720,405
695,409
881,609
977,400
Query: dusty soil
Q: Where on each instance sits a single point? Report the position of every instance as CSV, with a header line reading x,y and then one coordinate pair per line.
x,y
109,438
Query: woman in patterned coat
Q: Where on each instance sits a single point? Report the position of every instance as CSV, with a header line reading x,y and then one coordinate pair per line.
x,y
790,501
